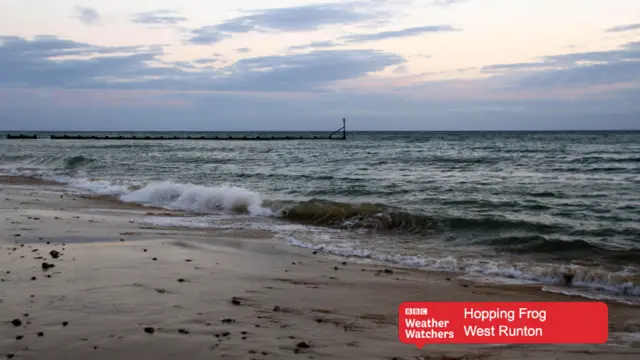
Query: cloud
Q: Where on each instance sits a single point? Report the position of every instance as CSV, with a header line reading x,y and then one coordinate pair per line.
x,y
315,45
514,66
158,17
206,35
622,28
397,34
290,19
88,15
575,70
205,61
47,61
243,50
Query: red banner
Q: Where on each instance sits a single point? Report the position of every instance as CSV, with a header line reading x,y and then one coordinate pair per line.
x,y
422,323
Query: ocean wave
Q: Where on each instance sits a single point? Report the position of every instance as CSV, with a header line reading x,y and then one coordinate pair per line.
x,y
622,283
198,198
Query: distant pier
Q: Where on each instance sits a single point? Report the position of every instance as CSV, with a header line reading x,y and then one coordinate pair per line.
x,y
341,135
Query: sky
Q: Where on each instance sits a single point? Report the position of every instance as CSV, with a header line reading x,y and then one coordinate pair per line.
x,y
305,64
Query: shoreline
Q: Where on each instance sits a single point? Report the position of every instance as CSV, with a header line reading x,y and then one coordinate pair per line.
x,y
108,287
586,278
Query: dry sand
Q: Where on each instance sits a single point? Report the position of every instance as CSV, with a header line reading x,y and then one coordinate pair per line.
x,y
116,277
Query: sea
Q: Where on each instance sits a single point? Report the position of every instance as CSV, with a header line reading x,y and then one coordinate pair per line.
x,y
556,209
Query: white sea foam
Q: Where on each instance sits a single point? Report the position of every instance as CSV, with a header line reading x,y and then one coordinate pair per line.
x,y
198,198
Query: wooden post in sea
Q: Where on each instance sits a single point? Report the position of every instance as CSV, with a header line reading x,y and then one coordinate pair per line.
x,y
344,128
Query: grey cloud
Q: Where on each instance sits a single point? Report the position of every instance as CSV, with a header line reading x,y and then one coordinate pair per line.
x,y
205,61
304,71
574,70
583,76
243,50
206,35
514,66
315,45
291,19
398,33
40,62
624,28
29,63
87,15
158,17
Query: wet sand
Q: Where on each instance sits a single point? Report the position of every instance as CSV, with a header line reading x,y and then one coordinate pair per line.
x,y
120,289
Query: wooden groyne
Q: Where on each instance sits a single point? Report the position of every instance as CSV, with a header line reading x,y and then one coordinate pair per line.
x,y
341,135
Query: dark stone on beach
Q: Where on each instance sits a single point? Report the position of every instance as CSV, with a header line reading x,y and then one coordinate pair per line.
x,y
264,353
145,250
244,338
25,315
121,239
235,301
315,252
225,334
40,334
243,332
155,259
464,285
388,271
16,322
33,278
19,337
161,291
303,345
149,330
95,348
47,266
181,280
183,331
257,325
276,308
335,268
65,324
54,253
448,279
188,260
568,278
48,242
10,355
228,321
17,235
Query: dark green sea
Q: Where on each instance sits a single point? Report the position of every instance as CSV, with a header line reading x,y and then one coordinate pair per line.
x,y
518,207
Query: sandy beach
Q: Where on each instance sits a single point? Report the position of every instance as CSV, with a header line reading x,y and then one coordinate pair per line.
x,y
120,289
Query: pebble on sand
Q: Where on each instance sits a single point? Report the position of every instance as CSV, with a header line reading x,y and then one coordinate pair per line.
x,y
54,254
66,323
149,330
276,308
40,334
235,301
16,322
183,331
47,266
